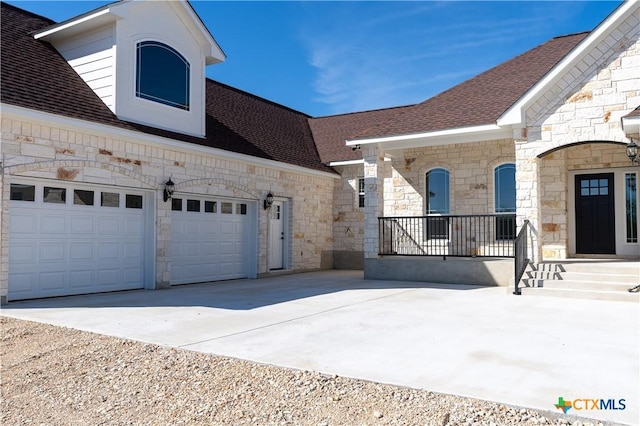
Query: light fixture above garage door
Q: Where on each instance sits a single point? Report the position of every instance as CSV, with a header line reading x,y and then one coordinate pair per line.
x,y
169,188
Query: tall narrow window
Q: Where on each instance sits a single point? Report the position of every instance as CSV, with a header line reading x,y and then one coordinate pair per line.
x,y
437,186
361,192
162,75
631,206
505,201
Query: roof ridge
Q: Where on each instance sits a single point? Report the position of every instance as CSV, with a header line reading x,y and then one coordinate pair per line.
x,y
571,34
364,111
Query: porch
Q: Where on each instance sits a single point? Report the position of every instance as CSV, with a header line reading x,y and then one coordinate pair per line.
x,y
452,249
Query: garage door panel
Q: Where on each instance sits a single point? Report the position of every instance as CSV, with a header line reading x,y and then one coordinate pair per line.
x,y
191,249
23,253
108,226
82,225
131,276
227,247
133,252
23,283
209,249
211,230
80,251
108,277
108,251
24,223
53,280
81,279
52,252
53,224
133,226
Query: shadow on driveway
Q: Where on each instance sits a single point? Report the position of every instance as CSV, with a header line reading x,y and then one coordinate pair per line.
x,y
236,294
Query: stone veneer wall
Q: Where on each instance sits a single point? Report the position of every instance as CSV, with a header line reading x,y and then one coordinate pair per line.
x,y
471,173
585,105
554,189
53,151
348,220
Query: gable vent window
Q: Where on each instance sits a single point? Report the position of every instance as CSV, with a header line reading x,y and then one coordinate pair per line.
x,y
162,75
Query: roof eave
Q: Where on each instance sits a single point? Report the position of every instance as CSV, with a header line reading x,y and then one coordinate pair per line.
x,y
19,112
439,137
216,54
114,11
515,114
76,25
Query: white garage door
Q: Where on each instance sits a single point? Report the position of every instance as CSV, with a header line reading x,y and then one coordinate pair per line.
x,y
210,239
69,239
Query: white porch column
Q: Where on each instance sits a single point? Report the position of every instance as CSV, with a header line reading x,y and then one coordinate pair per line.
x,y
373,198
528,196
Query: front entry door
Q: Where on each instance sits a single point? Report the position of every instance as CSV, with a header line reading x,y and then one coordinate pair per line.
x,y
595,218
276,244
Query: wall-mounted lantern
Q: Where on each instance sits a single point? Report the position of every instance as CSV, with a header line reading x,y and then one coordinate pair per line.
x,y
632,152
169,188
268,201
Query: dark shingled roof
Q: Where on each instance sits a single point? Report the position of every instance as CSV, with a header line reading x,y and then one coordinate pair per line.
x,y
330,133
480,100
634,113
35,76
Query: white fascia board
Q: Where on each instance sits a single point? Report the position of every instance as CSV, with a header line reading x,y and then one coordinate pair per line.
x,y
20,113
462,134
72,24
215,54
345,163
515,114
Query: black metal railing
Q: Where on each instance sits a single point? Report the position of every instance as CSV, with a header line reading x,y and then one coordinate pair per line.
x,y
521,245
448,235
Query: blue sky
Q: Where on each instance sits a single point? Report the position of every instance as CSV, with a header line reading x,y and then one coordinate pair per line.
x,y
326,58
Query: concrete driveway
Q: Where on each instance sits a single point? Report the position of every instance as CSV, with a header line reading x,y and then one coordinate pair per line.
x,y
471,341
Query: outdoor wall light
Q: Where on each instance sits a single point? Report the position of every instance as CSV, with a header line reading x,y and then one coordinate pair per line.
x,y
268,201
169,188
632,152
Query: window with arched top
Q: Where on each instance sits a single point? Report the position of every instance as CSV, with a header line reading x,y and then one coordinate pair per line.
x,y
504,177
437,203
505,188
437,185
162,74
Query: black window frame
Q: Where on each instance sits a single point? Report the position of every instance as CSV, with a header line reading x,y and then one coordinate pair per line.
x,y
505,222
361,193
437,224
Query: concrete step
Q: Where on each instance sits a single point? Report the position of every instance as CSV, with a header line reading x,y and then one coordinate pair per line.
x,y
581,284
591,267
614,277
618,296
590,279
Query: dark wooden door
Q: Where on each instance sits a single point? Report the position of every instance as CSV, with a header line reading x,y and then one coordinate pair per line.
x,y
595,218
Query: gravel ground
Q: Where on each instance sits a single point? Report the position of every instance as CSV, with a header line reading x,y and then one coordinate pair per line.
x,y
60,376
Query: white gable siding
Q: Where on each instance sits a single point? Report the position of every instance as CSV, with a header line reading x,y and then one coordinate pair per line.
x,y
158,21
92,56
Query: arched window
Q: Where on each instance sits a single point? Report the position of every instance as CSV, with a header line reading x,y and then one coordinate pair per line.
x,y
505,188
437,196
162,74
437,186
505,200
